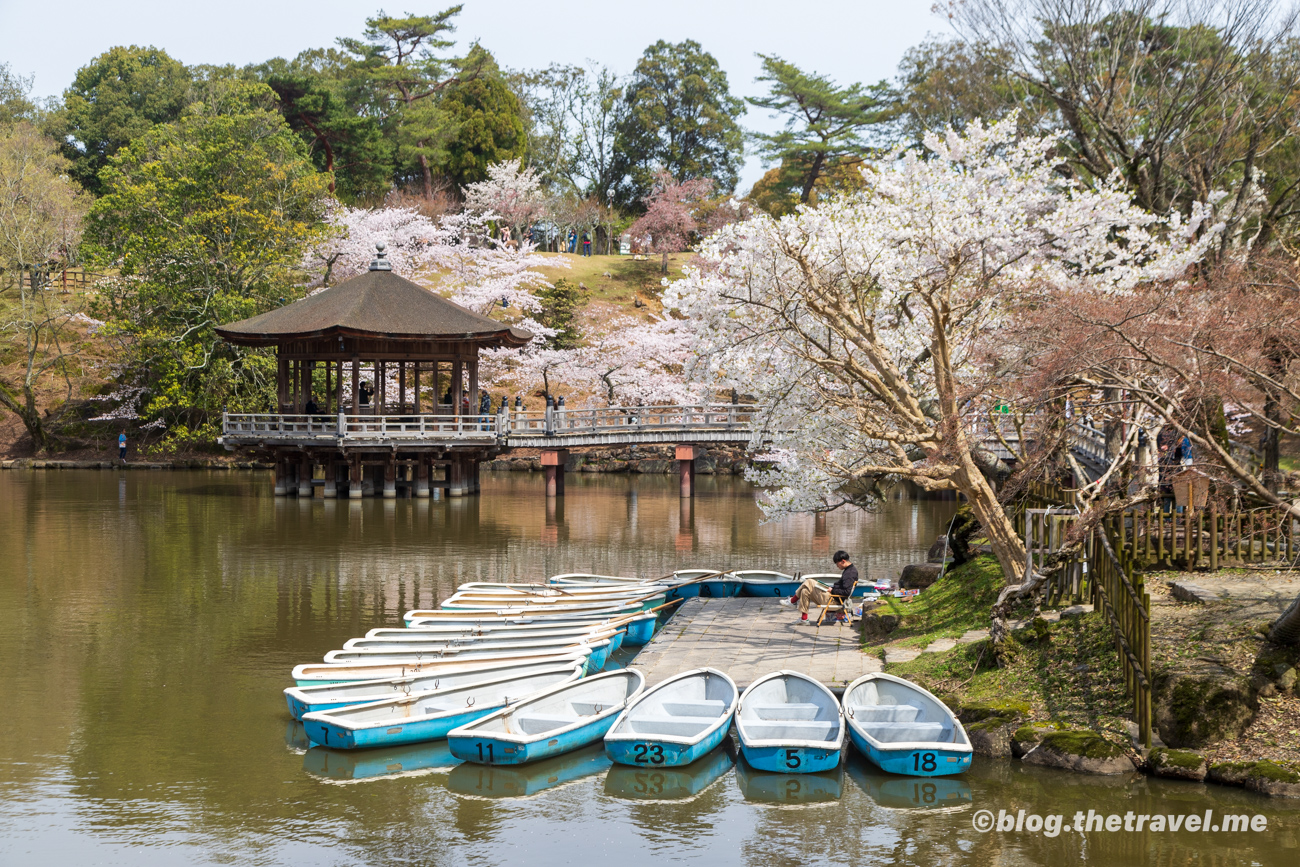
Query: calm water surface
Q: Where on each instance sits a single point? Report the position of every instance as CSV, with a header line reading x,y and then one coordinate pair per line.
x,y
148,622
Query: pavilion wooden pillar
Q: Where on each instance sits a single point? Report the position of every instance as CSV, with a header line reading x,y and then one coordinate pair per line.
x,y
356,385
338,388
381,386
421,473
331,479
455,476
304,477
390,477
686,469
281,474
473,386
457,386
416,377
354,477
401,386
553,466
281,384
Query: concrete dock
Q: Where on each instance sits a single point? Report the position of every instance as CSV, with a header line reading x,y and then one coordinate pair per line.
x,y
747,638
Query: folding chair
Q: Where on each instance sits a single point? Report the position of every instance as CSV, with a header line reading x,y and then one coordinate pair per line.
x,y
842,606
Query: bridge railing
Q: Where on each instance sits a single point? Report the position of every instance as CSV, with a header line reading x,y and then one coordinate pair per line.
x,y
576,422
423,426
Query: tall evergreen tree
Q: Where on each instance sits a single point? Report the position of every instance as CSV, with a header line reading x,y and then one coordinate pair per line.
x,y
680,117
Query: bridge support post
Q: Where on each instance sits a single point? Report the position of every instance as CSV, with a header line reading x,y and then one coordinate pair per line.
x,y
422,477
354,479
471,486
331,480
686,469
304,478
553,465
456,476
390,478
281,472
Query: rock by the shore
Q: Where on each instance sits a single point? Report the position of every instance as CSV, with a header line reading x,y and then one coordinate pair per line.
x,y
919,576
1203,701
991,725
1079,750
939,551
1178,764
1265,777
878,625
1026,738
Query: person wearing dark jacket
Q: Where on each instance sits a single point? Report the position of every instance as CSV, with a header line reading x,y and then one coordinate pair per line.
x,y
813,592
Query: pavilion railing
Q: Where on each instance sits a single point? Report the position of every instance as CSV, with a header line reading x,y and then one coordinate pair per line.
x,y
564,421
347,426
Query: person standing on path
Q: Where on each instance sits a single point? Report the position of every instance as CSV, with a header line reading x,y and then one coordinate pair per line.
x,y
812,592
586,244
121,446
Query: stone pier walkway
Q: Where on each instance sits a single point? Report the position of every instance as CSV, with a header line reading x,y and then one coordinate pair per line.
x,y
748,638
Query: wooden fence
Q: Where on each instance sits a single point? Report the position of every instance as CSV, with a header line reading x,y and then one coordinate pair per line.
x,y
1204,538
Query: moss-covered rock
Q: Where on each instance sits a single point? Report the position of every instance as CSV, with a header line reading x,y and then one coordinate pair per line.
x,y
1265,777
1229,773
1026,738
974,712
1079,750
1203,701
1178,764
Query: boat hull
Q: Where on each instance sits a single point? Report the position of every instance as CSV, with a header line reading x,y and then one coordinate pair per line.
x,y
791,760
914,759
412,731
651,753
719,589
640,631
484,749
321,674
769,588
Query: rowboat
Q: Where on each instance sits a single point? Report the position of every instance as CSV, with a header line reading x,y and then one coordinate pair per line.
x,y
903,728
353,766
764,582
479,601
558,721
936,794
640,624
311,699
790,723
407,639
609,609
414,719
574,591
864,588
522,781
581,579
667,784
687,585
317,673
599,647
789,789
675,722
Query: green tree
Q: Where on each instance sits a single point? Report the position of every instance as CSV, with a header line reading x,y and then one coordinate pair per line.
x,y
825,125
15,97
947,83
403,60
40,222
207,219
489,128
559,308
679,117
116,98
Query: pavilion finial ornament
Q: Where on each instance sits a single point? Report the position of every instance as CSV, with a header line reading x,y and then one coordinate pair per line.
x,y
380,262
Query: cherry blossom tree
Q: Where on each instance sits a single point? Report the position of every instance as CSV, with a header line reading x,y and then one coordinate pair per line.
x,y
513,193
670,217
862,324
640,362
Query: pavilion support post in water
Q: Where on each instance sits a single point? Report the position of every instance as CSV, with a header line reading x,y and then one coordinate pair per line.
x,y
553,466
456,476
281,483
421,473
331,479
390,477
304,477
686,469
354,475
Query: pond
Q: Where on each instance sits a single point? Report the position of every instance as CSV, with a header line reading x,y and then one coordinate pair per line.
x,y
149,620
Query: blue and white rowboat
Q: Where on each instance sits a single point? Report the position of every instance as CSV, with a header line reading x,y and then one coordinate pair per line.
x,y
903,728
675,722
718,587
411,639
790,723
415,719
558,721
311,699
315,674
599,648
640,624
762,582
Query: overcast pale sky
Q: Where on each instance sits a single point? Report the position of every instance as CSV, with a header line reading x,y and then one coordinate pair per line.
x,y
849,40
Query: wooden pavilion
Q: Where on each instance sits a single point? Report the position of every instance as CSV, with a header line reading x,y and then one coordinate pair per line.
x,y
376,377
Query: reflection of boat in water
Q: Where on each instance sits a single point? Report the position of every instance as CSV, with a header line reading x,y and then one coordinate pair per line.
x,y
521,781
911,793
667,784
789,789
295,737
352,765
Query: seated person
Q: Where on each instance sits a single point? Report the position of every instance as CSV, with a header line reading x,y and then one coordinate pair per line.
x,y
811,591
312,408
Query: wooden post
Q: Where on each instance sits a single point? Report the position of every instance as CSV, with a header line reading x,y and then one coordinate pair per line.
x,y
281,485
331,478
328,396
401,386
338,388
421,467
356,389
354,476
281,384
457,386
304,477
553,466
416,375
473,386
686,469
390,477
381,387
1214,539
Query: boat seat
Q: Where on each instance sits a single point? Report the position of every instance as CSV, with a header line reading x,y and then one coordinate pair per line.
x,y
796,711
676,726
906,732
872,713
701,707
799,730
536,723
591,708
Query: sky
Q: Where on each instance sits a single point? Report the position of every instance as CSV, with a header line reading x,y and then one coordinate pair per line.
x,y
847,40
